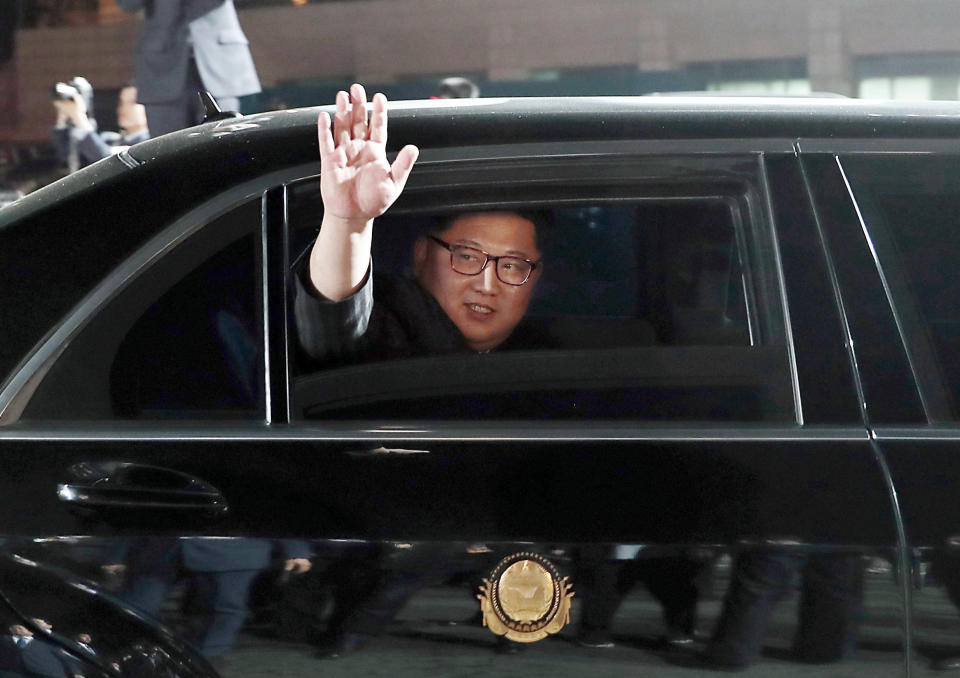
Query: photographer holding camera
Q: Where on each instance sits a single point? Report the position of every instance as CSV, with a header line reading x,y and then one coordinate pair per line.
x,y
75,133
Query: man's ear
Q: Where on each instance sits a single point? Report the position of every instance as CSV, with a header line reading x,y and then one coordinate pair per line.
x,y
420,252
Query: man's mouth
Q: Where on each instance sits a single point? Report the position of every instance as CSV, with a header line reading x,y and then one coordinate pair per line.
x,y
478,308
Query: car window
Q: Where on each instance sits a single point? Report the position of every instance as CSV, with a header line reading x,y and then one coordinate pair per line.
x,y
909,206
182,340
656,301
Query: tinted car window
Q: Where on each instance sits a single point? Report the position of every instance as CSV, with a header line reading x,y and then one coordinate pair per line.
x,y
183,340
909,206
655,302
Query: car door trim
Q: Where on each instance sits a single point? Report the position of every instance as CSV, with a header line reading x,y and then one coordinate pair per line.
x,y
422,432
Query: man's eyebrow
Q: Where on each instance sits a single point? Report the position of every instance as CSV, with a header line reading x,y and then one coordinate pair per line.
x,y
508,253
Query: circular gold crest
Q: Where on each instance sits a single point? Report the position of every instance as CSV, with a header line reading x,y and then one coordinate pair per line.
x,y
524,598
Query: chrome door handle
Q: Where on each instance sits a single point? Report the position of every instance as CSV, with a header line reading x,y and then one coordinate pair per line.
x,y
386,452
127,485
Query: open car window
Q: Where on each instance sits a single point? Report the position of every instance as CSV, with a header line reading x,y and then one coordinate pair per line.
x,y
657,300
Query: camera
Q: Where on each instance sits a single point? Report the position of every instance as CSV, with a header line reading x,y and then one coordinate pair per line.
x,y
64,92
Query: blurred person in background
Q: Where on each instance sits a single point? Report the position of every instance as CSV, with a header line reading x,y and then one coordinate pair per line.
x,y
75,134
457,88
187,46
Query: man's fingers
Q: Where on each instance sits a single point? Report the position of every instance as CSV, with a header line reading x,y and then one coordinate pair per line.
x,y
400,169
378,119
352,150
341,119
358,97
332,155
324,137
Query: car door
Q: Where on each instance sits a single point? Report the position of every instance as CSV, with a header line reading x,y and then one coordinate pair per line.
x,y
906,208
710,444
681,439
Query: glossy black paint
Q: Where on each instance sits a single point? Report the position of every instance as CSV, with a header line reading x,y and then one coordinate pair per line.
x,y
114,639
816,484
637,491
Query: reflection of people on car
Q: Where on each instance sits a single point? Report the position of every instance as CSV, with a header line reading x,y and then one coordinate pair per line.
x,y
23,653
830,609
219,570
475,272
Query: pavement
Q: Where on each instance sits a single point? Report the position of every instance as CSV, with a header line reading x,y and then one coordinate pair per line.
x,y
423,642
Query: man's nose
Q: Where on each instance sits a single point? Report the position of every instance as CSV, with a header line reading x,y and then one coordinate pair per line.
x,y
487,280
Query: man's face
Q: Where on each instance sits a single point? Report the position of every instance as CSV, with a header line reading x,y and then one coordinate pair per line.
x,y
483,308
130,114
42,623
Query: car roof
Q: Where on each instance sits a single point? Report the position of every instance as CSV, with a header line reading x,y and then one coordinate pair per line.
x,y
464,122
256,144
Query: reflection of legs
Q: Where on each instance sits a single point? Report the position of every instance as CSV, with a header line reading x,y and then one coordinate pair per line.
x,y
673,581
830,607
354,579
222,597
147,593
945,568
375,613
759,580
600,588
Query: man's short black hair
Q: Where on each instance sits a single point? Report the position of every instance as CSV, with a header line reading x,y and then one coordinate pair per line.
x,y
542,220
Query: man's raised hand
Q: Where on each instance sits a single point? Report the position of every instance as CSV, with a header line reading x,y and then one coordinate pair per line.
x,y
357,183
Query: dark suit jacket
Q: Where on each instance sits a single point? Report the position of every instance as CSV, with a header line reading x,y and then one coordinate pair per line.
x,y
38,658
172,30
94,145
387,318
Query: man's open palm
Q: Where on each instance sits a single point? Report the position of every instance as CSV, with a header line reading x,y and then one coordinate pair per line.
x,y
357,182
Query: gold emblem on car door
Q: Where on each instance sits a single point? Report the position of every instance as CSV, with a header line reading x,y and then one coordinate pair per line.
x,y
525,599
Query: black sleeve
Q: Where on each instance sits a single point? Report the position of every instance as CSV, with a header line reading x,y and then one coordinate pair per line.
x,y
325,328
92,148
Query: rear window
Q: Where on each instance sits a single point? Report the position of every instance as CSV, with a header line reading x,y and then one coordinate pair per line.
x,y
909,204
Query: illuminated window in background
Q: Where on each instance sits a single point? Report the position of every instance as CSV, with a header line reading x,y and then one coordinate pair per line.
x,y
916,87
787,86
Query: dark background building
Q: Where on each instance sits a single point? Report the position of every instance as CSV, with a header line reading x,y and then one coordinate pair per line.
x,y
307,49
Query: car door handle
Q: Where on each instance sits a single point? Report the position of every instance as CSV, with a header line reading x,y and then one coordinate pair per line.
x,y
126,485
386,452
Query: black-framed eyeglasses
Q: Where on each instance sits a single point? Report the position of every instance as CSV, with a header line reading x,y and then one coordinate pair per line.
x,y
467,260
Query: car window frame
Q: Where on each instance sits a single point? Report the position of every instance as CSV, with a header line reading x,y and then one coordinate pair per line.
x,y
463,162
20,387
914,343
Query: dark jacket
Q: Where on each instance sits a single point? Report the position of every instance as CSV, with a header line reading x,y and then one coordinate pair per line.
x,y
389,317
175,30
93,145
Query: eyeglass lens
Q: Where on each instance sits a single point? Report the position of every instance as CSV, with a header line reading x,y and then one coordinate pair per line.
x,y
470,261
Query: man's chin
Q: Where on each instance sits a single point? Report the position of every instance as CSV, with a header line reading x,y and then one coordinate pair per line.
x,y
483,344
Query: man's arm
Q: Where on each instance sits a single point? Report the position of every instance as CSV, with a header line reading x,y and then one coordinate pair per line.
x,y
60,137
73,121
357,184
92,147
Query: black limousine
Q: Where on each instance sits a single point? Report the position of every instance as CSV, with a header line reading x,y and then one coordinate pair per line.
x,y
732,441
